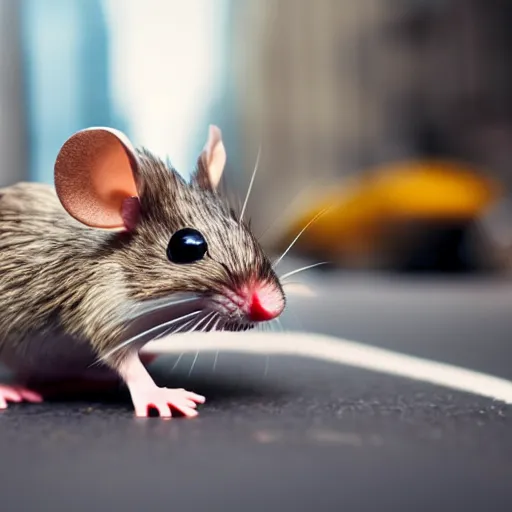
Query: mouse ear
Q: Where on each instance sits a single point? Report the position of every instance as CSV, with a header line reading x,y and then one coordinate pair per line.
x,y
95,178
212,160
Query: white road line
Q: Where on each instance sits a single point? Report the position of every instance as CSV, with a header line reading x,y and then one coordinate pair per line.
x,y
339,351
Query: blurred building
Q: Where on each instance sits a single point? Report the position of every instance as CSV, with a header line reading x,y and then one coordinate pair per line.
x,y
66,75
331,88
13,147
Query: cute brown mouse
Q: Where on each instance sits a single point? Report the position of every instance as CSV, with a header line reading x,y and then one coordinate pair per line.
x,y
122,250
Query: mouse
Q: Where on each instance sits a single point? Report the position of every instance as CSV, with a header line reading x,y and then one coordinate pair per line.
x,y
121,249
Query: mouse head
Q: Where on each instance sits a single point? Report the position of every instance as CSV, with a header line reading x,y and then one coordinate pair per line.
x,y
169,236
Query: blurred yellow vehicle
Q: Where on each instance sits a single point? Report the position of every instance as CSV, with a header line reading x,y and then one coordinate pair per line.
x,y
412,215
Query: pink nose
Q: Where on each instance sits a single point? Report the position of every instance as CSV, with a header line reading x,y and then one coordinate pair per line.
x,y
266,303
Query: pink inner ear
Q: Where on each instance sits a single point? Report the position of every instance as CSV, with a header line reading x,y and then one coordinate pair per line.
x,y
93,177
130,212
214,155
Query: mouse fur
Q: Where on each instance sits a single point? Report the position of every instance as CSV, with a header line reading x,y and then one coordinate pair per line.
x,y
60,279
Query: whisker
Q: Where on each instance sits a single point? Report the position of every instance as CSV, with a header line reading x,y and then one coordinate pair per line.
x,y
267,365
170,330
196,325
176,362
315,218
183,327
277,325
211,318
307,267
215,360
157,304
193,363
214,328
265,327
199,322
280,325
251,184
144,333
216,357
183,353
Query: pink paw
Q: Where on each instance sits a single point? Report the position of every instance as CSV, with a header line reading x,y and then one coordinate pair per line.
x,y
17,394
163,399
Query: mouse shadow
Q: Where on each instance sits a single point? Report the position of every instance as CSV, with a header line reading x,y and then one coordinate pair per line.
x,y
221,390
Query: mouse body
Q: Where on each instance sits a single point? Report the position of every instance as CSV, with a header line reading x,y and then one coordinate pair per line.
x,y
120,251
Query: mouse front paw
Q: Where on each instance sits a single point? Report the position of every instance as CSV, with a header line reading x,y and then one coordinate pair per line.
x,y
163,400
17,394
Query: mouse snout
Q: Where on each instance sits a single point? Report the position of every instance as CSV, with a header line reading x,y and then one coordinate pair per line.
x,y
264,302
252,302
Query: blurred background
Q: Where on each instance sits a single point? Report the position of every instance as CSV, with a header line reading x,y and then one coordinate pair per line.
x,y
392,118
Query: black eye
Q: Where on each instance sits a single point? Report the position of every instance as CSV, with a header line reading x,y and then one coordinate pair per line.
x,y
186,246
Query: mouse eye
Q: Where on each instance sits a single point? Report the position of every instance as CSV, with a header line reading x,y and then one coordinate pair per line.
x,y
186,246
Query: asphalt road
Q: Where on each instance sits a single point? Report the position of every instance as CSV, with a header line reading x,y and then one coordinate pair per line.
x,y
292,434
